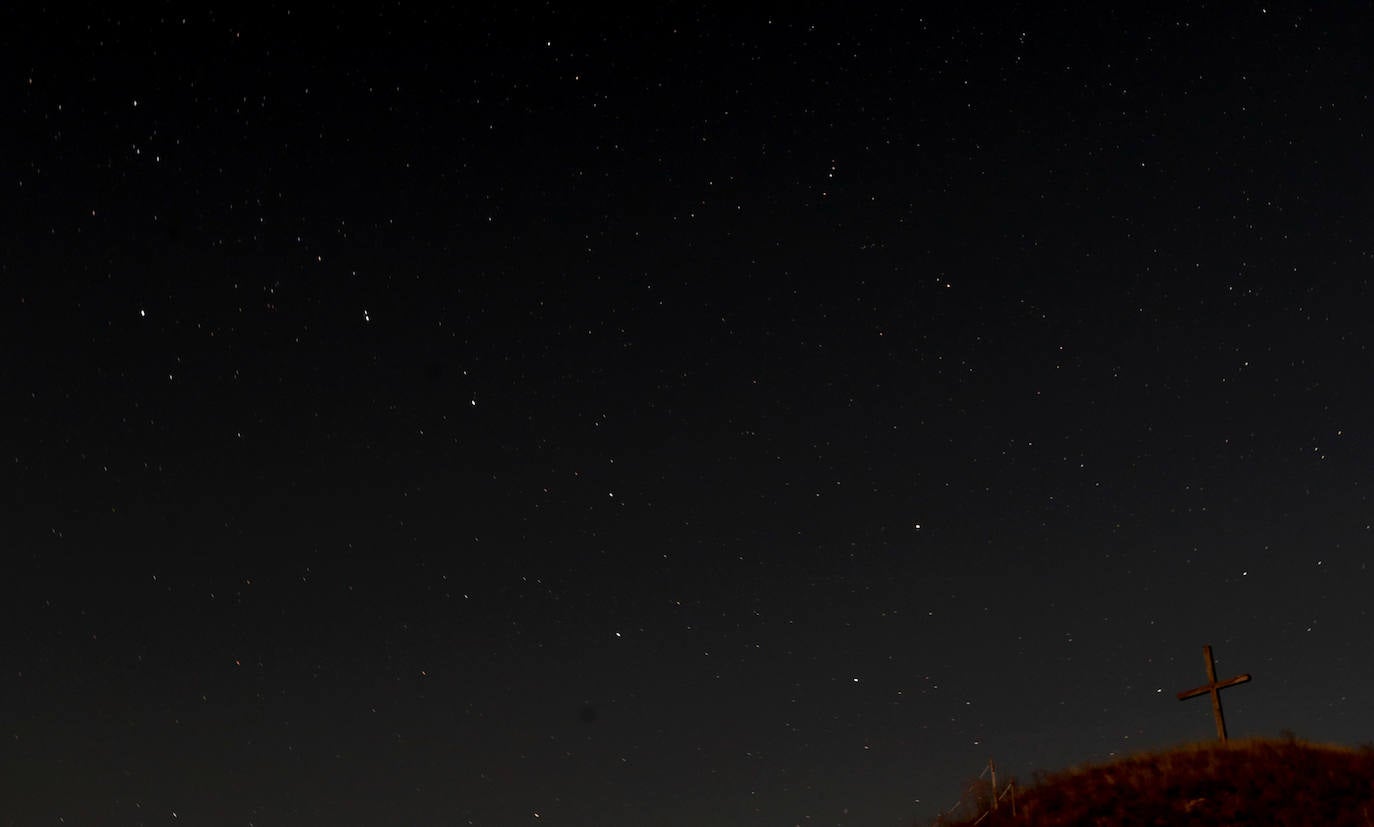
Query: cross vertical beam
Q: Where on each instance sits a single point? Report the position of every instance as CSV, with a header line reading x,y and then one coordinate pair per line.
x,y
1213,687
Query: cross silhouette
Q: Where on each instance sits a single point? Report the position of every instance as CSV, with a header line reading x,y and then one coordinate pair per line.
x,y
1213,687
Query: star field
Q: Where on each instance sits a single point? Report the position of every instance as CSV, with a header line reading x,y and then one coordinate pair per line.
x,y
691,416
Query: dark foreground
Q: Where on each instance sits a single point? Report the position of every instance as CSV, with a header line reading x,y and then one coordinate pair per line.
x,y
1279,782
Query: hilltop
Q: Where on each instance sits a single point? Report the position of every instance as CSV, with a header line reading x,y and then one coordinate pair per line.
x,y
1258,781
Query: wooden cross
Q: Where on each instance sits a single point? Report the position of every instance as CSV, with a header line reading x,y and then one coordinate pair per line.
x,y
1213,687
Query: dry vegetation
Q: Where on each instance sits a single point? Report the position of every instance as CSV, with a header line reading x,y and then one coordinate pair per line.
x,y
1271,782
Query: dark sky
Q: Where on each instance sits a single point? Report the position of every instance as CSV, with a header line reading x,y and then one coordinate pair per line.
x,y
696,417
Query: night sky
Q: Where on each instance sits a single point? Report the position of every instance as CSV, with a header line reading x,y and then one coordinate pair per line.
x,y
700,416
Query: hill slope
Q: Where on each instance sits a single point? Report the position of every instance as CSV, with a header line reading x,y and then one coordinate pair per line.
x,y
1279,782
